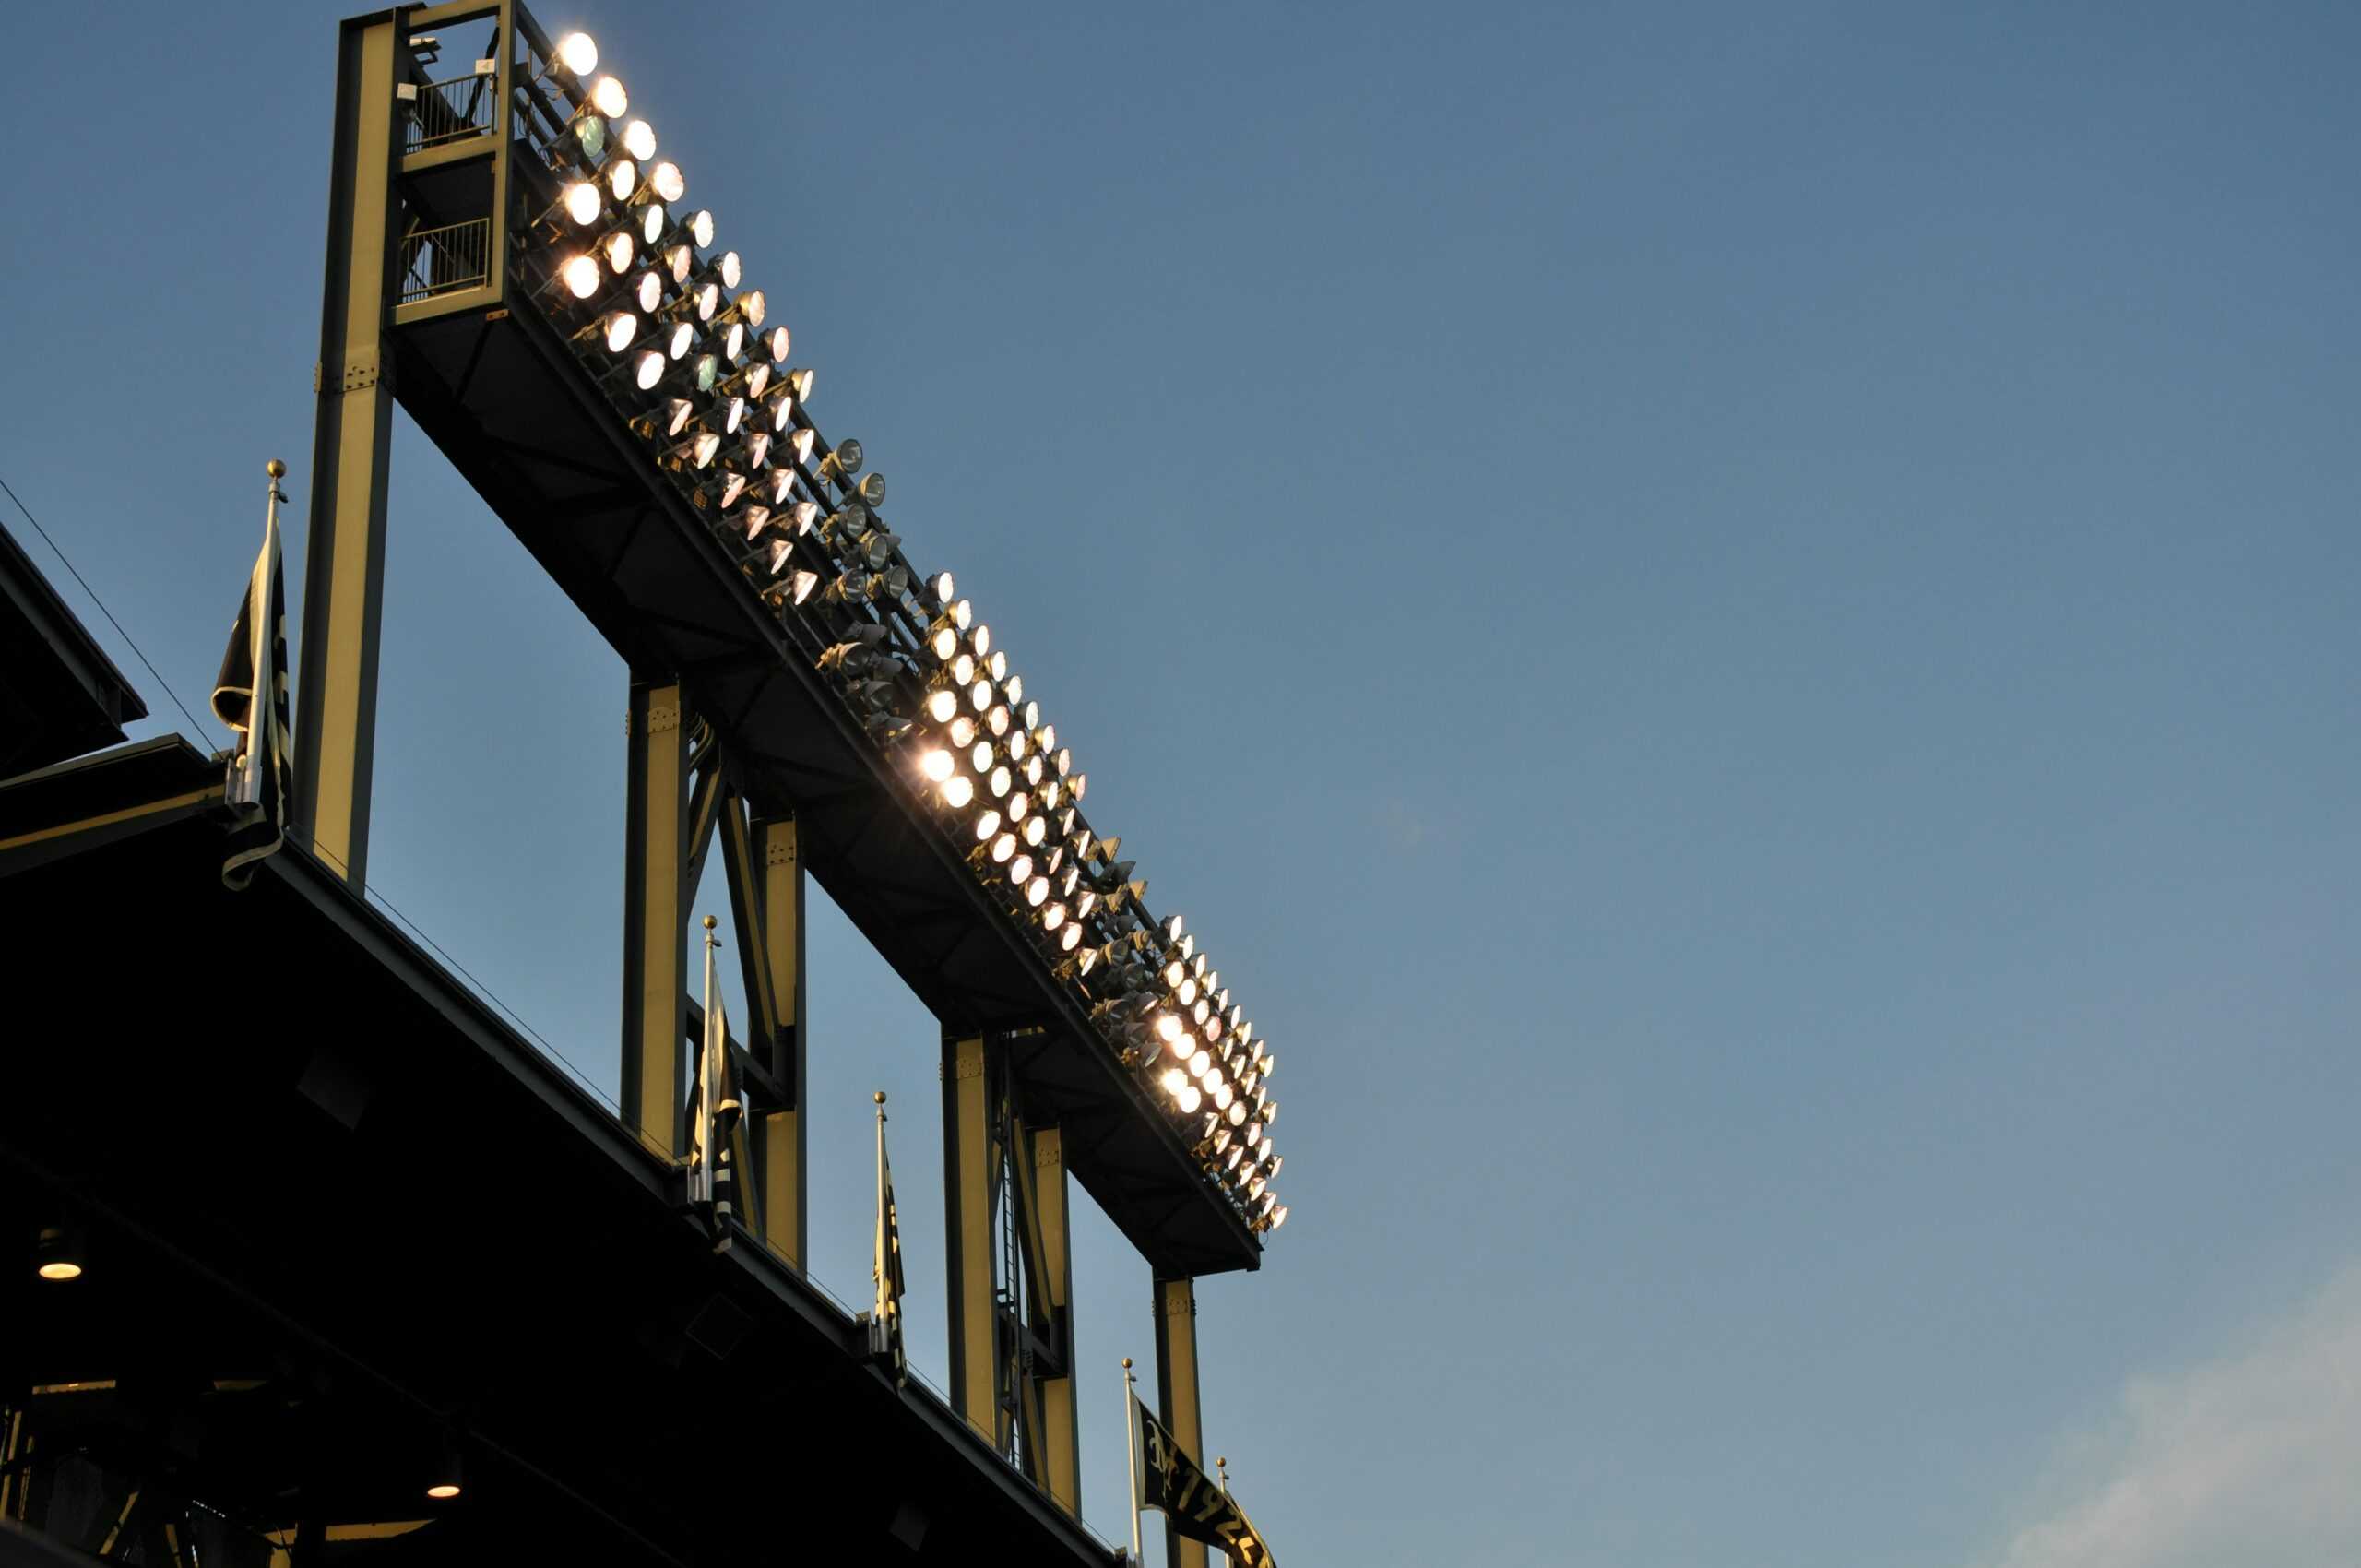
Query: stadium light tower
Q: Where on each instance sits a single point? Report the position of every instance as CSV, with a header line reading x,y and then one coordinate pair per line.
x,y
513,258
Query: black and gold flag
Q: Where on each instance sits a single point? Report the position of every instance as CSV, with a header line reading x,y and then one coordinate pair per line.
x,y
885,1265
713,1177
1170,1481
250,697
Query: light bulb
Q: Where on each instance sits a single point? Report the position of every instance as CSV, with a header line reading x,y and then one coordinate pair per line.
x,y
577,53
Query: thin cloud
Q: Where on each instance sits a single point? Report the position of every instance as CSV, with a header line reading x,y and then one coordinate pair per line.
x,y
2250,1459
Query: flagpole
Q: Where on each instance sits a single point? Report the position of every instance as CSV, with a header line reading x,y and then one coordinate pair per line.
x,y
702,1142
879,1337
1132,1450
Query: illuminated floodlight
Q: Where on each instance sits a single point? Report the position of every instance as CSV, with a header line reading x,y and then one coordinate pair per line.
x,y
580,274
958,791
619,327
607,96
617,248
577,53
639,140
622,178
581,203
665,180
701,227
779,342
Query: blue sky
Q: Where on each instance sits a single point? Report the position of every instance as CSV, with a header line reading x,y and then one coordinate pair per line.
x,y
1735,623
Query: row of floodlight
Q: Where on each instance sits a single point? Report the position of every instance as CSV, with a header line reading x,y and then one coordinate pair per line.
x,y
699,372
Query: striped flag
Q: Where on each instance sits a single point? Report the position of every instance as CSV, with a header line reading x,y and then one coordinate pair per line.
x,y
713,1181
250,697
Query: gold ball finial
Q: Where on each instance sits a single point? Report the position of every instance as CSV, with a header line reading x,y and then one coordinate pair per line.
x,y
1127,1363
1222,1460
880,1097
274,468
708,923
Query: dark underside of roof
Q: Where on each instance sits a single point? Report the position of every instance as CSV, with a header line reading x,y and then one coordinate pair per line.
x,y
337,1217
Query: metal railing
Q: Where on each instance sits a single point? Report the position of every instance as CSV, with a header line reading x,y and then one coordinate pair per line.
x,y
443,112
446,260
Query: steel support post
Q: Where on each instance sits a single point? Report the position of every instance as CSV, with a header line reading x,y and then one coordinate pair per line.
x,y
656,854
1051,1255
971,1167
344,567
1176,1386
785,1153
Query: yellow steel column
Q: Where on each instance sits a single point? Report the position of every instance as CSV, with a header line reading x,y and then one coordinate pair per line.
x,y
1061,1465
655,1082
786,1213
336,692
967,1177
1176,1381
